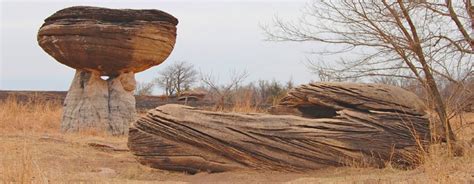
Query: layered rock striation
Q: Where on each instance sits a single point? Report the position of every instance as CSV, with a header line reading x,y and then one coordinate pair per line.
x,y
316,126
109,41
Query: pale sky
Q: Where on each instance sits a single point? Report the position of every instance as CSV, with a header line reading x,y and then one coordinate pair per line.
x,y
215,36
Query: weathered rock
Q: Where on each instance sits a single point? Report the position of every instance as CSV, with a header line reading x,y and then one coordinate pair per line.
x,y
105,42
324,99
110,41
96,104
348,124
86,103
121,105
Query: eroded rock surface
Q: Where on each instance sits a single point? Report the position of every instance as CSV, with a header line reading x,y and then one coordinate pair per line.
x,y
324,99
110,41
86,103
319,125
96,104
122,110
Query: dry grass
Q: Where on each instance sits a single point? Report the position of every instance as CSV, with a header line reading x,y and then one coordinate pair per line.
x,y
245,105
32,150
463,126
31,142
439,167
34,115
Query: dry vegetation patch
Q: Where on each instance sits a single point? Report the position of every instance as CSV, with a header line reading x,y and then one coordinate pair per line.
x,y
34,115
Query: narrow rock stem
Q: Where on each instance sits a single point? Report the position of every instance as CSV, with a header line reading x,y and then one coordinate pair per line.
x,y
96,104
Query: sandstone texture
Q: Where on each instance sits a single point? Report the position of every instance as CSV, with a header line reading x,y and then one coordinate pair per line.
x,y
116,43
96,104
86,104
316,126
324,99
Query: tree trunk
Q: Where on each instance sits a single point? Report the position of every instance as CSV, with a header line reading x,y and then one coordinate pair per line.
x,y
356,124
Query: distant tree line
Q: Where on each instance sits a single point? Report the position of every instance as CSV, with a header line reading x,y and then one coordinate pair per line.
x,y
182,76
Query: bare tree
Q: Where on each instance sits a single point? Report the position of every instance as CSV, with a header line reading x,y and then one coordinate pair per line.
x,y
185,76
289,84
176,78
144,88
166,81
272,91
223,91
406,39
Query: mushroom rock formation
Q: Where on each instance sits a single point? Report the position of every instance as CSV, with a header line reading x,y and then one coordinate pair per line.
x,y
316,126
105,42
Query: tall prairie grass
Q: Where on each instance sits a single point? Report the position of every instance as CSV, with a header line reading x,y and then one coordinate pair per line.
x,y
27,121
31,115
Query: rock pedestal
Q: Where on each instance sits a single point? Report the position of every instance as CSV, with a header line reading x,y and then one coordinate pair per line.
x,y
86,103
93,103
105,42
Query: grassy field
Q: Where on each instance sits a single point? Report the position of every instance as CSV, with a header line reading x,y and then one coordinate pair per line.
x,y
32,150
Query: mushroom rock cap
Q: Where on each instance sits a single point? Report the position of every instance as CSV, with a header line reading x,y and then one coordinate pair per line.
x,y
109,41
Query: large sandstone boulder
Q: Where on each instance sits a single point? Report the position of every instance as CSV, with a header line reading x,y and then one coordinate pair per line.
x,y
105,42
316,126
